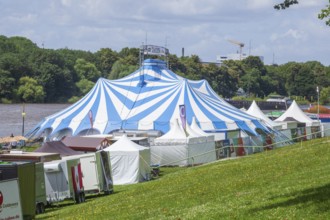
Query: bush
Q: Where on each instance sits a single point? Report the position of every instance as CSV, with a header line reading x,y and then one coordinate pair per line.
x,y
74,99
6,101
323,110
242,98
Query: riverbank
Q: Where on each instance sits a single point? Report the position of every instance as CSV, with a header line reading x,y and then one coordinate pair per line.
x,y
11,119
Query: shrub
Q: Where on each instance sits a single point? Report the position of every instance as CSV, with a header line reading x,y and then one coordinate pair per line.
x,y
323,110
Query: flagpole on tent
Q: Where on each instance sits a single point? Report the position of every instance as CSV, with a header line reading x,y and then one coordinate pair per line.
x,y
23,117
318,103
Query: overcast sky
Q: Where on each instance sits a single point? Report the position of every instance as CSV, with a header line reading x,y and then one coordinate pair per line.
x,y
202,27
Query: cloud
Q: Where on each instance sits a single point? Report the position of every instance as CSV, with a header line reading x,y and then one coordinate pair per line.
x,y
259,4
202,27
291,33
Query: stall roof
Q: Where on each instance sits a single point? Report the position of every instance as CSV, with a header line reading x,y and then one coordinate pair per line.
x,y
29,156
57,147
90,144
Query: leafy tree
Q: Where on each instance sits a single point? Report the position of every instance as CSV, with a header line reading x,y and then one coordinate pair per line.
x,y
268,85
6,84
105,58
130,52
74,99
22,44
254,62
122,68
6,46
325,95
318,71
304,83
279,74
324,14
50,70
176,65
30,91
251,83
300,80
86,70
235,70
285,4
68,73
12,63
55,81
84,86
193,67
221,82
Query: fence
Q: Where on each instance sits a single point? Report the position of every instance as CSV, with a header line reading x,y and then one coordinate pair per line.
x,y
239,147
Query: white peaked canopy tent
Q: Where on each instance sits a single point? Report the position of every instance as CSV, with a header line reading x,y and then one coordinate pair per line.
x,y
182,148
130,162
294,115
147,99
255,111
194,126
294,112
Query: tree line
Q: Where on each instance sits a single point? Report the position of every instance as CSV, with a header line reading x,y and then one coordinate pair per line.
x,y
36,75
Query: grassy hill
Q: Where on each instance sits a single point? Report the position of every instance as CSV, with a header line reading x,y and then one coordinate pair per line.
x,y
292,182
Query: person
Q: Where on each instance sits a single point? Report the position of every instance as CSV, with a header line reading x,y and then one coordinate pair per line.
x,y
13,144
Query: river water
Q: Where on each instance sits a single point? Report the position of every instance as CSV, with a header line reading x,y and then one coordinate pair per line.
x,y
11,120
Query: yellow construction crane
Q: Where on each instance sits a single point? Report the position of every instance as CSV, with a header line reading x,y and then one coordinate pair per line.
x,y
241,45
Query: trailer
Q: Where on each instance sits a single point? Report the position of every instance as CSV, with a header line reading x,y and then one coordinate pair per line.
x,y
63,179
96,170
10,203
25,173
40,188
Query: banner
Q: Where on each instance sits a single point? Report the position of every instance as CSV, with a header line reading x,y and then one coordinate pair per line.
x,y
10,204
155,50
90,115
182,109
106,168
77,178
240,149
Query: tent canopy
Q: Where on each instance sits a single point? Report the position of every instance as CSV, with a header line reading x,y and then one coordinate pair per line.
x,y
255,111
182,148
294,113
130,162
147,99
123,144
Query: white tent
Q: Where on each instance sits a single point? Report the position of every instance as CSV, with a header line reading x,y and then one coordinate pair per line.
x,y
194,126
294,115
255,111
130,162
294,112
182,148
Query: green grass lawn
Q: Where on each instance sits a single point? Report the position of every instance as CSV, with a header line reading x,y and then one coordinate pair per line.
x,y
292,182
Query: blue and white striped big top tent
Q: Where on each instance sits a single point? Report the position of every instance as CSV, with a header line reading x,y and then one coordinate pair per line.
x,y
147,99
